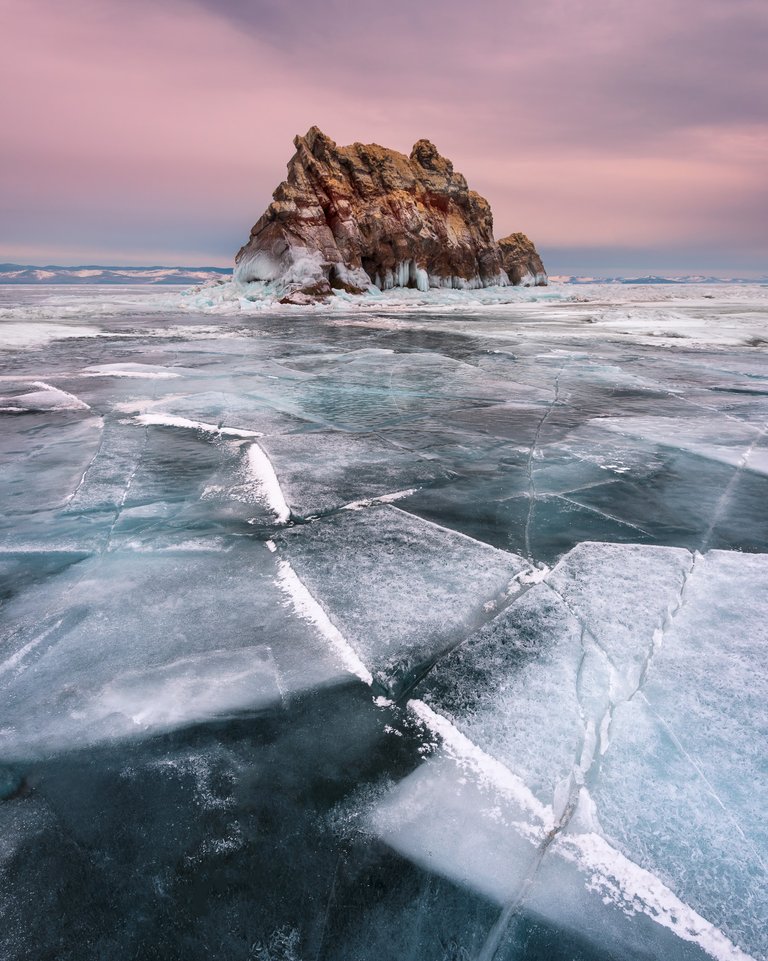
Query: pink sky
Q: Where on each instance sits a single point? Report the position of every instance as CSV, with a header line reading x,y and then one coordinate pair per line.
x,y
617,135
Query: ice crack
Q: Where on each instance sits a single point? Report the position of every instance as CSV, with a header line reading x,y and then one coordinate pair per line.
x,y
90,464
519,586
529,463
605,514
126,490
659,633
596,719
729,488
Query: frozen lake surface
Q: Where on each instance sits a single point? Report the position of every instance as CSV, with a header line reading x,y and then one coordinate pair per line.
x,y
423,628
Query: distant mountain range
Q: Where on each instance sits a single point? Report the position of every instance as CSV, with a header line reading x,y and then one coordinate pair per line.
x,y
655,279
98,274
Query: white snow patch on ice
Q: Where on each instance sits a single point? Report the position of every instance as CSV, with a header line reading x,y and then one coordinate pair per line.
x,y
308,609
533,576
46,397
62,398
38,335
381,499
172,420
486,767
143,371
631,888
263,474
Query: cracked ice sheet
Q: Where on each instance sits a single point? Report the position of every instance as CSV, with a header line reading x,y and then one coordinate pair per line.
x,y
543,696
166,479
464,817
370,389
87,482
399,589
323,470
684,785
44,459
128,643
499,687
728,442
90,481
428,379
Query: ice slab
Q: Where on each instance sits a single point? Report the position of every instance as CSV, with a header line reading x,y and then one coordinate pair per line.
x,y
87,483
135,642
322,470
684,784
461,817
731,442
601,701
498,688
399,589
162,469
44,460
623,595
368,389
452,822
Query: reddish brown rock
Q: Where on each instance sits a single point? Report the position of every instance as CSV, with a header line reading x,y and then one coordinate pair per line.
x,y
350,217
522,262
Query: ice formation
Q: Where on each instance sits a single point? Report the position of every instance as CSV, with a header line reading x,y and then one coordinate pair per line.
x,y
417,625
567,741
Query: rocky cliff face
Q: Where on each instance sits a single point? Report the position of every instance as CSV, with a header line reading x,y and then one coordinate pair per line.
x,y
350,217
521,261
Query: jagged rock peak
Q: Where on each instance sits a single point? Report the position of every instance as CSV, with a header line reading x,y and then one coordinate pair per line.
x,y
521,261
351,217
426,155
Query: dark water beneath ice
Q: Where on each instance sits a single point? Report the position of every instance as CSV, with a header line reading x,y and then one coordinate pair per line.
x,y
220,732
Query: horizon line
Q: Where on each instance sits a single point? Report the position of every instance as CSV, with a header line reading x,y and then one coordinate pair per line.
x,y
721,275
